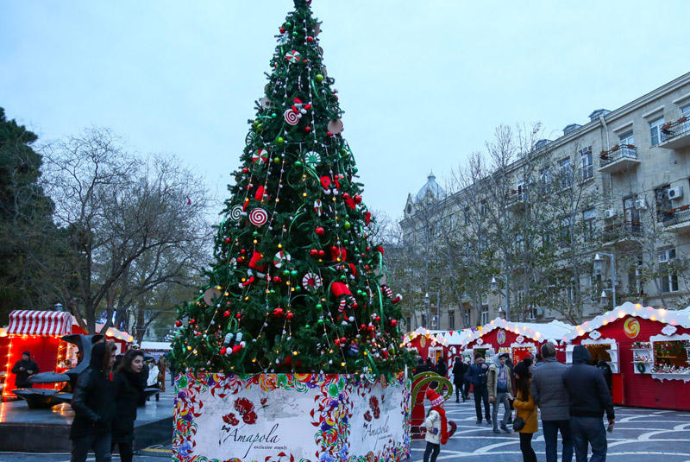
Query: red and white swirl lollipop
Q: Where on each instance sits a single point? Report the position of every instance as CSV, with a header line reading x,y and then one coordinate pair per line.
x,y
293,55
311,282
260,154
291,117
258,217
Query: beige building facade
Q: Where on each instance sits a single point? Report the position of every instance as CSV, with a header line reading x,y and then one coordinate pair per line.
x,y
635,161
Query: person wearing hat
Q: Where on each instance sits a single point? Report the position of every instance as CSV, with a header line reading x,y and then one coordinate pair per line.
x,y
23,369
526,410
436,426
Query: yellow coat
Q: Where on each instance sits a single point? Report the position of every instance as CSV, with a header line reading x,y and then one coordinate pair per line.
x,y
524,408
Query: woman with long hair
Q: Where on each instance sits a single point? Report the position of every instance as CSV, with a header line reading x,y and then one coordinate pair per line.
x,y
129,388
526,411
93,405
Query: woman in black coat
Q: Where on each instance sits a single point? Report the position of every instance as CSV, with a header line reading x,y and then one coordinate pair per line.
x,y
128,390
94,407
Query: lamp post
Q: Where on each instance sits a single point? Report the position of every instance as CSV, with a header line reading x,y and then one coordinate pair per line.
x,y
58,306
428,307
495,288
598,268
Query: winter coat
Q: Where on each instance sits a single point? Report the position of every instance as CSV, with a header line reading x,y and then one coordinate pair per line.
x,y
432,421
93,400
459,371
128,391
549,392
589,396
23,376
492,379
527,409
477,375
441,369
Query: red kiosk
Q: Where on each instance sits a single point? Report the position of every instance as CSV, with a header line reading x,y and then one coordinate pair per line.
x,y
427,344
40,332
648,350
518,339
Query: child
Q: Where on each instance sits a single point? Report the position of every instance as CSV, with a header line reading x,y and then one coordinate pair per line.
x,y
436,426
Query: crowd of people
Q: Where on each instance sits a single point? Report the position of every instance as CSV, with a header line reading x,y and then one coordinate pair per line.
x,y
571,400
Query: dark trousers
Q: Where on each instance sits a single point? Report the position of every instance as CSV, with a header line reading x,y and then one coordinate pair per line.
x,y
586,431
458,391
432,450
126,450
551,428
99,443
528,454
482,394
466,389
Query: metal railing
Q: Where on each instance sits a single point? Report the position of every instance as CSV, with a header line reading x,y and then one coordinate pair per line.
x,y
675,129
623,151
675,216
620,230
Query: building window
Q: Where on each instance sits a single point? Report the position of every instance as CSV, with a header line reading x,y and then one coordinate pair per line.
x,y
545,179
627,138
485,315
451,221
483,208
663,204
586,166
424,320
657,135
564,232
668,278
631,215
589,218
466,318
451,320
565,172
409,323
467,214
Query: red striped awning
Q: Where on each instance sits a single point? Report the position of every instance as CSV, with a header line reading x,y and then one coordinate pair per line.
x,y
31,322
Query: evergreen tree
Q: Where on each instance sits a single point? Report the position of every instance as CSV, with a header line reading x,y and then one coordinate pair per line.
x,y
297,283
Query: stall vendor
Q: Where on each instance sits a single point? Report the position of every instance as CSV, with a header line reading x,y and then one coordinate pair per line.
x,y
25,368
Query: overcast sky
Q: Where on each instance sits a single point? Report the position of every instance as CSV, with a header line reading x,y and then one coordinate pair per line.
x,y
423,83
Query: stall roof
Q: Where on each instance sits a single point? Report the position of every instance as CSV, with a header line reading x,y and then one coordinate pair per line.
x,y
554,330
673,317
157,346
436,334
32,322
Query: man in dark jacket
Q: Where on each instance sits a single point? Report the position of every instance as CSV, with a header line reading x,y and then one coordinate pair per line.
x,y
549,393
24,368
441,368
589,398
94,407
459,370
477,377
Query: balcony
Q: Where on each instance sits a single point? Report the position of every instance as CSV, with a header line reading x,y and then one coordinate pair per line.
x,y
517,200
621,232
677,134
677,219
618,159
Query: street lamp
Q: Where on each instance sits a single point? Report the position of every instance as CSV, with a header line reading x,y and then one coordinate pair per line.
x,y
598,268
58,306
427,300
494,288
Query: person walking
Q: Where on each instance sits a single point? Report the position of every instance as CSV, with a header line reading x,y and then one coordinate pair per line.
x,y
23,369
436,426
589,398
549,392
459,370
128,388
605,370
94,406
441,368
476,375
500,389
526,411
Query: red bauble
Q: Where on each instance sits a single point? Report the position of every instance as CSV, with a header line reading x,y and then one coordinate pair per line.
x,y
320,231
314,252
290,315
192,321
226,314
178,323
238,315
358,199
282,30
278,312
223,351
306,129
337,341
343,341
321,253
227,239
377,319
394,322
310,39
288,360
243,251
277,280
245,170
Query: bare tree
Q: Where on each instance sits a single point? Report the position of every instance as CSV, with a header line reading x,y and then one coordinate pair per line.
x,y
135,225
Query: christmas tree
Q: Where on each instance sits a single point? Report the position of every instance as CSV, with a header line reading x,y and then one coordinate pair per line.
x,y
298,284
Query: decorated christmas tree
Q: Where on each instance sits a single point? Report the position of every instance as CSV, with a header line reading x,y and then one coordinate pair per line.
x,y
299,281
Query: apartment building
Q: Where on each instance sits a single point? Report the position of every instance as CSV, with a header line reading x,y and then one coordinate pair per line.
x,y
635,161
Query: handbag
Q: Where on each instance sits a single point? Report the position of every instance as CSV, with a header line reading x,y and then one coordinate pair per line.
x,y
519,422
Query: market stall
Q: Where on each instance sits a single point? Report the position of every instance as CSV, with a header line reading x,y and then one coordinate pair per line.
x,y
647,350
40,333
520,340
425,343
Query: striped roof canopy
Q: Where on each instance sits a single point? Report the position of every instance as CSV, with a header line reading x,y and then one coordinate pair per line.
x,y
31,322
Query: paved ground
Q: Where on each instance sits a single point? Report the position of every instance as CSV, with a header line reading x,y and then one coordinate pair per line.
x,y
640,435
